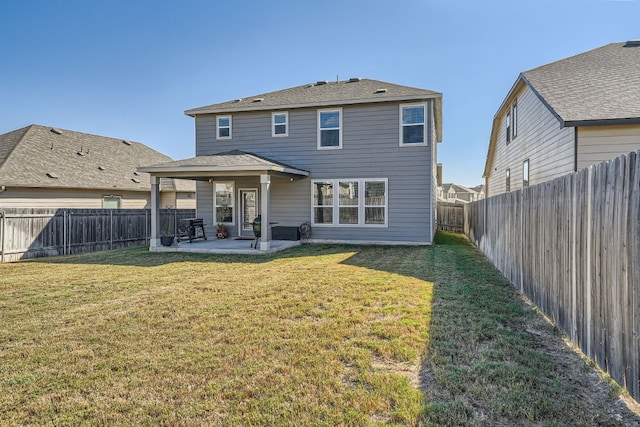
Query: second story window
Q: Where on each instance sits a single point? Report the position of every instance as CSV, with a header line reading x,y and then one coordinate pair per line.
x,y
223,124
508,180
525,173
329,129
280,124
508,127
412,125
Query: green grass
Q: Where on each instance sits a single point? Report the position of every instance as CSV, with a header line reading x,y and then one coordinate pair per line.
x,y
317,335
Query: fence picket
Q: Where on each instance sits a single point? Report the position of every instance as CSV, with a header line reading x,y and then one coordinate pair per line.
x,y
33,233
572,245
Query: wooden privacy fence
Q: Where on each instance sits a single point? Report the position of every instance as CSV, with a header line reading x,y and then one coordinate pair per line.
x,y
33,233
572,245
450,217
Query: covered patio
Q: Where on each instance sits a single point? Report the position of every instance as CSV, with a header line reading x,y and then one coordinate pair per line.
x,y
231,166
227,246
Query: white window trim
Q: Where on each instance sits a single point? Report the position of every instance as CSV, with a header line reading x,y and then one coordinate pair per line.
x,y
361,203
319,135
233,202
218,127
402,125
273,123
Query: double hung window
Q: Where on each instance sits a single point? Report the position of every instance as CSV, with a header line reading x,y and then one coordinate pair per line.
x,y
412,121
280,124
223,127
329,129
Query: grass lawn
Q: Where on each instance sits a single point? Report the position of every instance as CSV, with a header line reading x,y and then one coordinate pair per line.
x,y
316,335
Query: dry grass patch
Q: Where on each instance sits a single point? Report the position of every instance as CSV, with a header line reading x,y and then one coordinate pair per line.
x,y
133,338
314,336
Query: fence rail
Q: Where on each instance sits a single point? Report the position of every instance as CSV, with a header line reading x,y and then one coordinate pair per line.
x,y
572,245
34,233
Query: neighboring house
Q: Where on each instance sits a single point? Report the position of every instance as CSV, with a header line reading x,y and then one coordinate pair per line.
x,y
454,193
564,116
356,159
45,167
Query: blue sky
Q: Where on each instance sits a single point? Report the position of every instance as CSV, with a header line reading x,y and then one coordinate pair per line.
x,y
128,69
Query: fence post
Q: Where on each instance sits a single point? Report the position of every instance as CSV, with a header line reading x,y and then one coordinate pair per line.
x,y
64,232
110,228
2,233
69,233
175,221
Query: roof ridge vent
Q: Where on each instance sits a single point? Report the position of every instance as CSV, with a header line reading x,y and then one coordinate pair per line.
x,y
126,142
56,131
632,43
354,79
381,90
322,82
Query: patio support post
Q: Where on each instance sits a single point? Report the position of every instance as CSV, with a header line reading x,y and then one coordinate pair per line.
x,y
265,188
154,242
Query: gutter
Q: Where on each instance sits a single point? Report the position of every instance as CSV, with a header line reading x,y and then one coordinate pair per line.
x,y
221,110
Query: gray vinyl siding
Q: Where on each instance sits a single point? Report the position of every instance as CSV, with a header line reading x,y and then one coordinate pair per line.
x,y
540,138
597,144
370,150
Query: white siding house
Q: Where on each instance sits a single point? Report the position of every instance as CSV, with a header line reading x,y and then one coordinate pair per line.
x,y
564,116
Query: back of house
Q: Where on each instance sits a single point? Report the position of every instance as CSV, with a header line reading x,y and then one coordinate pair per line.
x,y
356,159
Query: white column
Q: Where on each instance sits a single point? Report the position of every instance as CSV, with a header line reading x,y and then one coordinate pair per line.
x,y
265,188
154,242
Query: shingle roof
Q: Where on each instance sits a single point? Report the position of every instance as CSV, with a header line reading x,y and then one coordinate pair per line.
x,y
352,91
31,156
597,87
322,93
601,84
225,161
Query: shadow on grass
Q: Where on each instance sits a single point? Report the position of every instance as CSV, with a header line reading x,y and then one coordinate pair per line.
x,y
482,365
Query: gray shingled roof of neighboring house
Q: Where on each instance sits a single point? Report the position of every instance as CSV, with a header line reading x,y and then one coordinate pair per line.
x,y
41,156
352,91
602,84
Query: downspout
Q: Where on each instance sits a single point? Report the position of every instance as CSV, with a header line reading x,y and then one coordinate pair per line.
x,y
575,149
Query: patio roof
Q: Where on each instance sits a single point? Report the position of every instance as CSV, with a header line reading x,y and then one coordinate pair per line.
x,y
234,162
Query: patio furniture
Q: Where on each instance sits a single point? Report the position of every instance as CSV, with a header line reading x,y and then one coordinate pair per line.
x,y
191,228
257,230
